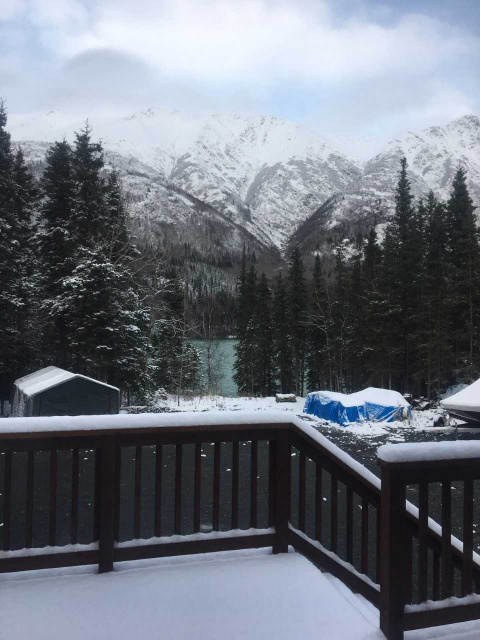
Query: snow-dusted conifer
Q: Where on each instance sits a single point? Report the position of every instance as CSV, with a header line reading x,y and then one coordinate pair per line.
x,y
281,336
17,201
297,318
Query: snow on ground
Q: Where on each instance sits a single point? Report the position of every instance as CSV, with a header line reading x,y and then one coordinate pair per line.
x,y
235,595
254,595
395,431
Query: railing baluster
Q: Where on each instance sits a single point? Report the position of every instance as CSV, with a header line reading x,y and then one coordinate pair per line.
x,y
235,477
216,487
447,572
364,537
118,476
74,511
301,491
349,526
7,500
29,507
423,542
282,492
178,489
158,491
378,546
394,553
271,482
318,502
253,484
96,497
333,513
138,493
52,520
436,576
106,534
467,573
197,487
409,571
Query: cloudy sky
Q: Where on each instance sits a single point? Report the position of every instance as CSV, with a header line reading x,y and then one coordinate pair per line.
x,y
362,67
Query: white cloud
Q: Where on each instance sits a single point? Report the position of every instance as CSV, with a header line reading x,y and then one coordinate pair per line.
x,y
11,9
366,71
251,41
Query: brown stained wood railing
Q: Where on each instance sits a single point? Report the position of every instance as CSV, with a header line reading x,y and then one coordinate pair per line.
x,y
430,574
336,515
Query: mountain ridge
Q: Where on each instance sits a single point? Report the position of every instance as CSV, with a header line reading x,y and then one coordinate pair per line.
x,y
266,176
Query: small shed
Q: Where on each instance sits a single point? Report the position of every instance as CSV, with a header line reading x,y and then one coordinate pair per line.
x,y
57,392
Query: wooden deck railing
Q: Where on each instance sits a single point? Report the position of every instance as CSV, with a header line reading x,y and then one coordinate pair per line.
x,y
99,496
420,560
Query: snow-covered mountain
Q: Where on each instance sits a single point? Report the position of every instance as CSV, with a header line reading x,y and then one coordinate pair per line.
x,y
271,179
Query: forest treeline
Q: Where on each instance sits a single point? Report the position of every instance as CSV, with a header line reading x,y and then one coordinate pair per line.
x,y
403,313
76,292
79,291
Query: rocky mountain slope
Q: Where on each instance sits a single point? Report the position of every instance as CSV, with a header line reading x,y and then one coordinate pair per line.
x,y
222,179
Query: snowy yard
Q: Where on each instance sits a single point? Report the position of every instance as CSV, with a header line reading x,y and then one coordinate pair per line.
x,y
421,421
234,595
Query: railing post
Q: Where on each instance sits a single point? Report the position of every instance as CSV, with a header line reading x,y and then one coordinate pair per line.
x,y
394,554
282,492
107,505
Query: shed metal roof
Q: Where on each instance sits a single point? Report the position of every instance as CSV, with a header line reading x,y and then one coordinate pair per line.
x,y
50,377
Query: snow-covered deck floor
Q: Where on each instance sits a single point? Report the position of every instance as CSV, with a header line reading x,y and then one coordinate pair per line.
x,y
247,595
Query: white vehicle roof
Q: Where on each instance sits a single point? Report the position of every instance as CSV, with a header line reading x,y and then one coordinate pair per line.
x,y
467,399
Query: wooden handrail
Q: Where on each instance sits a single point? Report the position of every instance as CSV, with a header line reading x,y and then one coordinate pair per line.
x,y
396,519
398,527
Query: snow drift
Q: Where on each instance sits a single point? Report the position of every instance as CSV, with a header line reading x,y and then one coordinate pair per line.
x,y
371,404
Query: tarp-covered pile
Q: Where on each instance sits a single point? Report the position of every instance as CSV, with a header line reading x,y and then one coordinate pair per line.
x,y
371,404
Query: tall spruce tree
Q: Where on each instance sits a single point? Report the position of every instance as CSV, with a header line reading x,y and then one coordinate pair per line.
x,y
264,339
464,259
245,366
281,339
377,348
320,332
56,246
17,201
298,319
434,338
403,270
25,203
92,220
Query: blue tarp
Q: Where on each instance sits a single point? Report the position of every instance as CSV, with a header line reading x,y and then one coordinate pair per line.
x,y
374,405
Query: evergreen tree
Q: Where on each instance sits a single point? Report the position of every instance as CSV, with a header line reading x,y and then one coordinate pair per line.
x,y
17,201
26,195
94,320
320,329
342,327
92,220
376,350
464,259
403,271
264,339
56,246
245,366
434,343
298,319
281,338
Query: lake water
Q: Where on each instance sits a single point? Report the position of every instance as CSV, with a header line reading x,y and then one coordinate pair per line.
x,y
223,358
